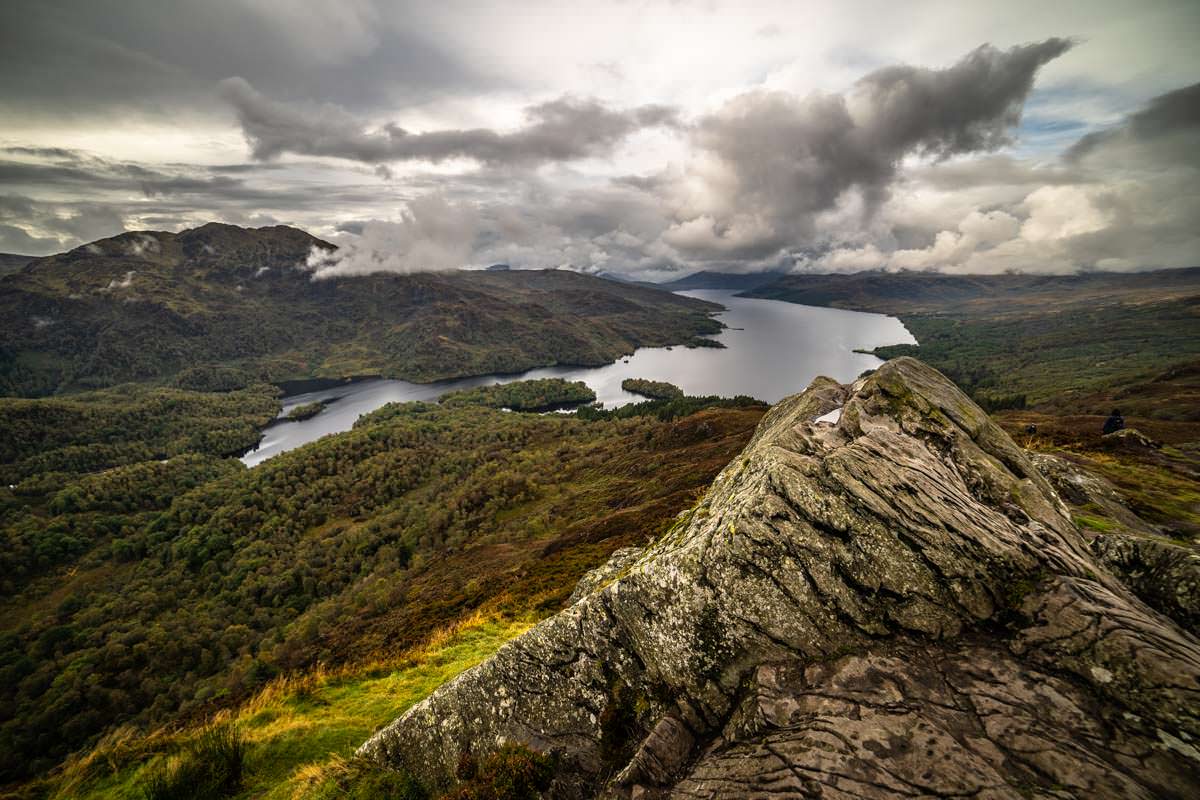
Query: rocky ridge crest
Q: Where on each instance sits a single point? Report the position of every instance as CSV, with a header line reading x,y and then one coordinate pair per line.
x,y
896,604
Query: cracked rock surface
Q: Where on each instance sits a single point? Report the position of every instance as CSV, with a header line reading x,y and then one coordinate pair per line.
x,y
896,604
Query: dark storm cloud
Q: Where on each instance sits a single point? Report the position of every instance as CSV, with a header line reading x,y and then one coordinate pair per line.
x,y
105,57
560,130
791,159
62,223
88,175
16,240
1125,198
971,106
1171,114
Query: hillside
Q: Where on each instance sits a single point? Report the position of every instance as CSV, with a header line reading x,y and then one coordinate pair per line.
x,y
880,575
1062,343
147,305
179,582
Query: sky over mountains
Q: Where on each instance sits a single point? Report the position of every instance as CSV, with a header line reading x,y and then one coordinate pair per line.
x,y
650,138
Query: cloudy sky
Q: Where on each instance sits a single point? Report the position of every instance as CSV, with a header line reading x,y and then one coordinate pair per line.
x,y
645,138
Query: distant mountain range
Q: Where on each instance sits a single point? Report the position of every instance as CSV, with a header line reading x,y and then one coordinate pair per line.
x,y
906,292
144,305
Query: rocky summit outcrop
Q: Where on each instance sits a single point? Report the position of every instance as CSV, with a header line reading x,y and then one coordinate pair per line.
x,y
895,604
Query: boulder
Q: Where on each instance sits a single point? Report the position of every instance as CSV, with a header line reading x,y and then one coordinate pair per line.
x,y
1130,439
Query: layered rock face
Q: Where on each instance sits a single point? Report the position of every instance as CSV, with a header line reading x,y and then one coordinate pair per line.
x,y
896,604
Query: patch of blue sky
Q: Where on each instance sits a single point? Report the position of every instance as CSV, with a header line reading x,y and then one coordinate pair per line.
x,y
1057,117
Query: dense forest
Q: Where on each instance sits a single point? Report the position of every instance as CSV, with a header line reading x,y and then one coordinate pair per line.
x,y
305,411
160,580
53,438
144,305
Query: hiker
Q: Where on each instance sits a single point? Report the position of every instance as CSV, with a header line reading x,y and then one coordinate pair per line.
x,y
1114,423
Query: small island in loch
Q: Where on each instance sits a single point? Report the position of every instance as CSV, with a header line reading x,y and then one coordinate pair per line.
x,y
655,390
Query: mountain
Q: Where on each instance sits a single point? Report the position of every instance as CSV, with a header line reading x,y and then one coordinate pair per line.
x,y
145,305
1064,344
966,612
892,604
721,280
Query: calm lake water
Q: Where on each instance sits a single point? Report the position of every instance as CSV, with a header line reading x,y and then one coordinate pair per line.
x,y
772,349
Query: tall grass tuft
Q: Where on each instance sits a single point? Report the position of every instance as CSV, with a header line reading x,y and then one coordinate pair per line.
x,y
210,768
359,779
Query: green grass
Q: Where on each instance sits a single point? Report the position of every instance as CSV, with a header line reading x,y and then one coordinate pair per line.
x,y
299,730
1101,524
1164,494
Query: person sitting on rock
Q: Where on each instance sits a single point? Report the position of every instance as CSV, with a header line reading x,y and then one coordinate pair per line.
x,y
1114,423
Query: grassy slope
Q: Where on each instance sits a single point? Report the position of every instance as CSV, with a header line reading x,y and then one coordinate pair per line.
x,y
298,728
1160,485
120,310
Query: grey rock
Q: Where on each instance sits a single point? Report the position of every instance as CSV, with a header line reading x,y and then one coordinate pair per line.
x,y
906,576
1081,488
1131,439
1163,573
620,561
910,720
